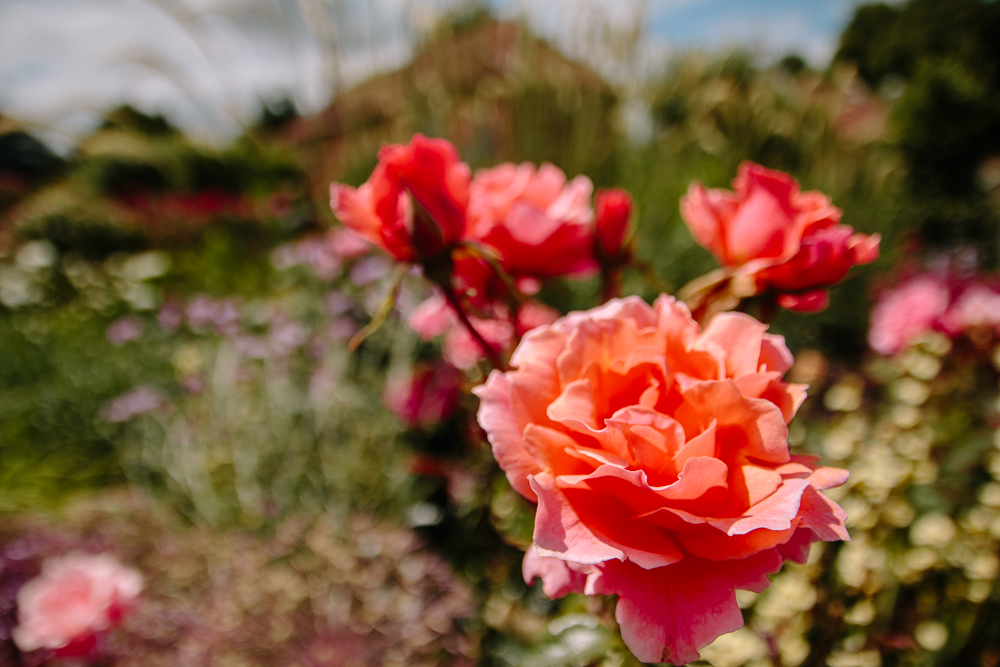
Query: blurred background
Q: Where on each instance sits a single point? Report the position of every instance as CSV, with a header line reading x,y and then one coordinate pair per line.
x,y
175,302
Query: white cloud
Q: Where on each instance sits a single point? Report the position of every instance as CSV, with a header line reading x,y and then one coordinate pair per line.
x,y
207,64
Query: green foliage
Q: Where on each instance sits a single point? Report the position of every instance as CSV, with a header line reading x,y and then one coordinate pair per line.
x,y
948,119
255,438
57,373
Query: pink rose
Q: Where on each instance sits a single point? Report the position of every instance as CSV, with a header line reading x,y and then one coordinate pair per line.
x,y
774,237
906,312
536,222
382,211
658,456
76,597
977,306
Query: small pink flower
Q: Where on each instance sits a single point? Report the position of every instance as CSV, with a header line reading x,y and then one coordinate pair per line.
x,y
135,402
774,237
906,312
76,597
124,329
538,223
170,316
200,311
312,251
348,244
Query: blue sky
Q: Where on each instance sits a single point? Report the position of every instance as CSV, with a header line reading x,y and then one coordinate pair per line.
x,y
807,27
206,64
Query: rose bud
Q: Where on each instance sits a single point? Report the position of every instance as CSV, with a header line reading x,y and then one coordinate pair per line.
x,y
614,208
413,205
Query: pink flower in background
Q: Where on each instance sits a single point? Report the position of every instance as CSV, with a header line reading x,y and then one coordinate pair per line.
x,y
200,311
658,456
312,251
382,211
223,314
538,223
348,244
906,312
934,301
435,317
775,237
124,329
977,306
76,597
370,269
426,395
170,316
135,402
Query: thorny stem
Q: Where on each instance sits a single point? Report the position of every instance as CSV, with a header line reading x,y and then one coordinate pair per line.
x,y
504,277
383,312
513,296
453,301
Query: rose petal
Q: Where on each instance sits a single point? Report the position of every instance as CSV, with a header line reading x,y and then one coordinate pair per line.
x,y
669,613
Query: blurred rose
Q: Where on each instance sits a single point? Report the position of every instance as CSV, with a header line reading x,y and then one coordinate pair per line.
x,y
613,210
425,395
903,314
536,222
776,238
658,456
347,243
124,330
381,210
76,597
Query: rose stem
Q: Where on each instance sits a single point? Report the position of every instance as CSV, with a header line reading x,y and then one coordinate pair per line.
x,y
452,299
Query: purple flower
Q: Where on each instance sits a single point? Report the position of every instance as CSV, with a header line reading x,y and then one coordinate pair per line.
x,y
170,316
124,329
135,402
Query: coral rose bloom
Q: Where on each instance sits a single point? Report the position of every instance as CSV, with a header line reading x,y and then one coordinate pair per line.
x,y
775,237
658,456
538,224
381,210
76,597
